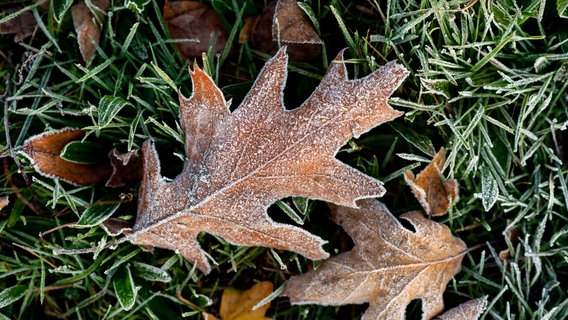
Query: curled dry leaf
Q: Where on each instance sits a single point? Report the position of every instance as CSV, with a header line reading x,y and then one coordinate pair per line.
x,y
126,168
87,25
198,24
284,22
434,193
22,26
44,151
388,266
470,310
237,305
239,163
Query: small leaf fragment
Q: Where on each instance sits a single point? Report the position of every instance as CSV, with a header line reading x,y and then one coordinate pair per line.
x,y
291,25
4,201
22,25
197,24
283,22
237,305
434,193
44,150
116,226
126,168
470,310
87,27
388,267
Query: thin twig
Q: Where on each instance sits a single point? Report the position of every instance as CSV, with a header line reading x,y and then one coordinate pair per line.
x,y
35,254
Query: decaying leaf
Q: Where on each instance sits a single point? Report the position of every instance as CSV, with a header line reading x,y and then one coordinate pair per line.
x,y
239,163
116,226
434,193
470,310
126,168
87,25
290,24
237,305
388,266
44,151
22,26
198,24
283,22
4,201
512,237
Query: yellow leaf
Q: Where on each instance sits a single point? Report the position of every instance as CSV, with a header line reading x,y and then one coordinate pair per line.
x,y
237,305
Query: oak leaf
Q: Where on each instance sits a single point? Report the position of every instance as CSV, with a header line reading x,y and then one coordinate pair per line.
x,y
434,193
237,305
388,266
240,162
44,150
470,310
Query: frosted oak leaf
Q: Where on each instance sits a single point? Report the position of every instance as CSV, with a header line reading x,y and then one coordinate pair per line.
x,y
240,162
388,267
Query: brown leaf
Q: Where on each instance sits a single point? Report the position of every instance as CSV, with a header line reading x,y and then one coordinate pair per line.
x,y
22,26
4,201
44,151
126,168
237,305
196,22
470,310
434,193
239,163
116,226
283,21
512,237
291,25
388,266
88,26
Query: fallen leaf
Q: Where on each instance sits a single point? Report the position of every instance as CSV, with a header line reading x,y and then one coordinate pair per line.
x,y
388,266
22,26
237,305
290,24
116,226
470,310
126,168
239,163
434,193
283,22
44,151
4,201
196,22
88,26
512,237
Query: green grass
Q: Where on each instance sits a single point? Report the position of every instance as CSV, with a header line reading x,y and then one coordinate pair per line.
x,y
488,82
